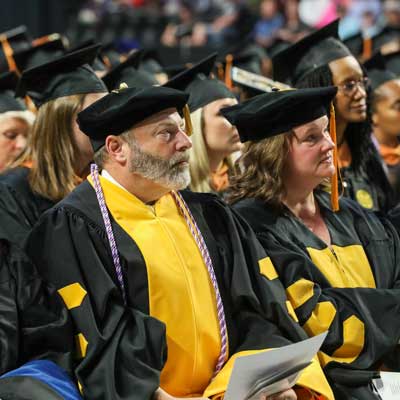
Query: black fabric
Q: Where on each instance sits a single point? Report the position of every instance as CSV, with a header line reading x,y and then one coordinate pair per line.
x,y
285,238
64,76
18,39
377,71
197,82
34,323
386,35
20,208
128,73
120,110
8,83
393,62
272,113
352,182
355,43
317,49
37,55
127,346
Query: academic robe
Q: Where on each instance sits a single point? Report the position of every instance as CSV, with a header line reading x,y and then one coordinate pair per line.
x,y
20,208
123,349
352,288
34,325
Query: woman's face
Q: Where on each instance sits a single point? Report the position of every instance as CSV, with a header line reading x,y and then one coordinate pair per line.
x,y
351,98
220,136
310,157
81,140
13,139
386,116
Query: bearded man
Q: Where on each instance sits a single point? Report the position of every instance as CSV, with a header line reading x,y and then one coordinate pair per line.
x,y
144,266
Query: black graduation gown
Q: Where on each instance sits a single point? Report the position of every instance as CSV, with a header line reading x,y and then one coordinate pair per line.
x,y
125,347
20,208
365,190
34,322
346,311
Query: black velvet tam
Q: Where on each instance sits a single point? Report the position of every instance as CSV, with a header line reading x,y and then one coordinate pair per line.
x,y
273,113
120,110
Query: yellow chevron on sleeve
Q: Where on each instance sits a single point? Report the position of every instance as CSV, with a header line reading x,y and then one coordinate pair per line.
x,y
72,295
300,292
267,268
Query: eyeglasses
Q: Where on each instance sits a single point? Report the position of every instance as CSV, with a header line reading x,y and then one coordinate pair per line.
x,y
349,88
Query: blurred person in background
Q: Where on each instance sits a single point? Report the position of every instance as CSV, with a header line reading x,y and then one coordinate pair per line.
x,y
385,102
320,60
15,121
59,154
214,139
270,22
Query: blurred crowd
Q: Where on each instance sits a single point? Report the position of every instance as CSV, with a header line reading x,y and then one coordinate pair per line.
x,y
149,23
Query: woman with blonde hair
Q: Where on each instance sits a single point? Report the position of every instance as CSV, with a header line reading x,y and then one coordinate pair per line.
x,y
339,262
58,156
15,121
214,139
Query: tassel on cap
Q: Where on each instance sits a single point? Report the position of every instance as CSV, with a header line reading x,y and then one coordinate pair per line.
x,y
220,71
228,71
8,52
188,121
334,179
367,49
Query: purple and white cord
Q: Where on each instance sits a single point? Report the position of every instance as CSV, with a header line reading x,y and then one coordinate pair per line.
x,y
196,233
94,172
201,244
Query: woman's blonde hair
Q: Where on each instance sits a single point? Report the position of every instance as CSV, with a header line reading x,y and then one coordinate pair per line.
x,y
199,162
52,150
260,171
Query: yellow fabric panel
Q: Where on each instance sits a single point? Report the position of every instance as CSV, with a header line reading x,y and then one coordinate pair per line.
x,y
81,345
216,389
356,265
353,342
72,295
291,311
348,269
300,292
267,268
321,318
311,378
180,291
80,387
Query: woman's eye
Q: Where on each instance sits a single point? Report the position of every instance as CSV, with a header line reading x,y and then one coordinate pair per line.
x,y
311,138
10,135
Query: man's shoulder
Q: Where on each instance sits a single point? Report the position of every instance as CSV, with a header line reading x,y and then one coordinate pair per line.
x,y
80,203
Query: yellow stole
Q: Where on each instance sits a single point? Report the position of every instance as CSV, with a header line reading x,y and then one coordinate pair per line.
x,y
180,291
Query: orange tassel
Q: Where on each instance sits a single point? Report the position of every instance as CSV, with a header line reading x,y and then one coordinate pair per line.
x,y
334,179
228,71
8,52
367,48
220,72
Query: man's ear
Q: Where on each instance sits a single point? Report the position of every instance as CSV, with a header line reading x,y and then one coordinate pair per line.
x,y
117,149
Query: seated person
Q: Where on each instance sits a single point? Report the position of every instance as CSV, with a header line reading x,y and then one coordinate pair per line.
x,y
340,265
385,88
182,271
15,121
36,340
215,140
